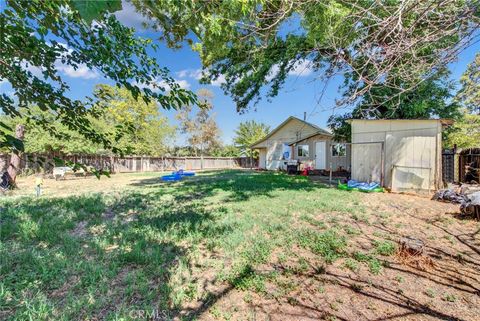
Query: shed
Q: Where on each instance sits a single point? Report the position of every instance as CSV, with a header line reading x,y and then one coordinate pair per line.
x,y
401,154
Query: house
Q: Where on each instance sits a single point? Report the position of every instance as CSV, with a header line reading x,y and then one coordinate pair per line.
x,y
300,140
401,154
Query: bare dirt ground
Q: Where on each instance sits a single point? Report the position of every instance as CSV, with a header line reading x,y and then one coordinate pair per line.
x,y
362,284
80,185
443,285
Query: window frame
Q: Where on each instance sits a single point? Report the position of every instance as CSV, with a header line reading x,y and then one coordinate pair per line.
x,y
307,150
333,148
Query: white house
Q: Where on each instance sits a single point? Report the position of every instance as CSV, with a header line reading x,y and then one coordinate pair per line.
x,y
303,141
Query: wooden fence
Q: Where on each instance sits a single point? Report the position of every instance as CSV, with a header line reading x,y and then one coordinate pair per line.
x,y
469,165
456,163
32,163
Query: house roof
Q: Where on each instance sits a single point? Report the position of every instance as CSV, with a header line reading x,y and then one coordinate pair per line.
x,y
319,130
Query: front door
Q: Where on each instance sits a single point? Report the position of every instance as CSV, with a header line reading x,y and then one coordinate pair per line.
x,y
320,155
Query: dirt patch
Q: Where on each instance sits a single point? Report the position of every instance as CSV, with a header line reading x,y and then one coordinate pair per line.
x,y
443,284
80,229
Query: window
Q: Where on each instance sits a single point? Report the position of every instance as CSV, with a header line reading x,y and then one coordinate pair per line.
x,y
339,150
302,150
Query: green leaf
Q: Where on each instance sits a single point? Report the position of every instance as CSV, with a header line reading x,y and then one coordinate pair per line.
x,y
92,10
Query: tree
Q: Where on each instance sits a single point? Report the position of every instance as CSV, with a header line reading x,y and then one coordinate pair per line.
x,y
469,94
227,151
431,98
202,129
149,133
146,131
465,132
39,38
248,133
256,44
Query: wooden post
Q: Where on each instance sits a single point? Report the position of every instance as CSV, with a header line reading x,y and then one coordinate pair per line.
x,y
14,165
330,178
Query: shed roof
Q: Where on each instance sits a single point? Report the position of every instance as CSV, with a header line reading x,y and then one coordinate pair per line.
x,y
443,121
319,130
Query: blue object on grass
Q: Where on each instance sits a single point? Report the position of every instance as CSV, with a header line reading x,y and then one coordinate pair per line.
x,y
181,172
171,178
364,186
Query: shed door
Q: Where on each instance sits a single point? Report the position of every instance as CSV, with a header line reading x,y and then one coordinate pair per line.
x,y
367,162
320,157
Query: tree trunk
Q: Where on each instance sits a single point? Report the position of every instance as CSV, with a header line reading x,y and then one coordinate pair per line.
x,y
14,165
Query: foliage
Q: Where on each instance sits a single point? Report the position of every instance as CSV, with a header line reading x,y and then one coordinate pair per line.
x,y
202,129
431,98
375,44
227,151
465,132
39,140
469,94
149,133
144,130
248,133
41,37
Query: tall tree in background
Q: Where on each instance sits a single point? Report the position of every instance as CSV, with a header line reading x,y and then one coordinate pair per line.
x,y
144,130
431,98
465,132
201,128
469,94
248,133
149,133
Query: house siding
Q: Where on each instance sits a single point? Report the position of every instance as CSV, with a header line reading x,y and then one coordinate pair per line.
x,y
333,162
291,131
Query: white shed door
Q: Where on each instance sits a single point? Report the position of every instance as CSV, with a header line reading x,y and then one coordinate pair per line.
x,y
320,155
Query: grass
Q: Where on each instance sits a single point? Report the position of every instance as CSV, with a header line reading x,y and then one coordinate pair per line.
x,y
151,247
92,255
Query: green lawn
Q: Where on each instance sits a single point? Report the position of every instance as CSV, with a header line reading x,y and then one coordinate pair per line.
x,y
177,248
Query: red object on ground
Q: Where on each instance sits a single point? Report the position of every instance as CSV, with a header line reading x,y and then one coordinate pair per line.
x,y
305,172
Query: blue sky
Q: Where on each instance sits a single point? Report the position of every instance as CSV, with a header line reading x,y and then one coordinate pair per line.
x,y
300,93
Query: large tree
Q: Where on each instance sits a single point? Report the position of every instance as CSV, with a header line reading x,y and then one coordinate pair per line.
x,y
201,128
145,131
469,94
431,98
40,38
248,133
464,133
396,45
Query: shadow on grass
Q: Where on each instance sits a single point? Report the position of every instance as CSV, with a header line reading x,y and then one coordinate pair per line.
x,y
101,255
240,185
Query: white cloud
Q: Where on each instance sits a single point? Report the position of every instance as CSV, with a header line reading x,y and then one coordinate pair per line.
x,y
301,68
219,81
183,83
160,83
129,17
197,74
81,72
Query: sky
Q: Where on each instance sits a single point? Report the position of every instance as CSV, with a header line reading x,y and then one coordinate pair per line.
x,y
301,92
